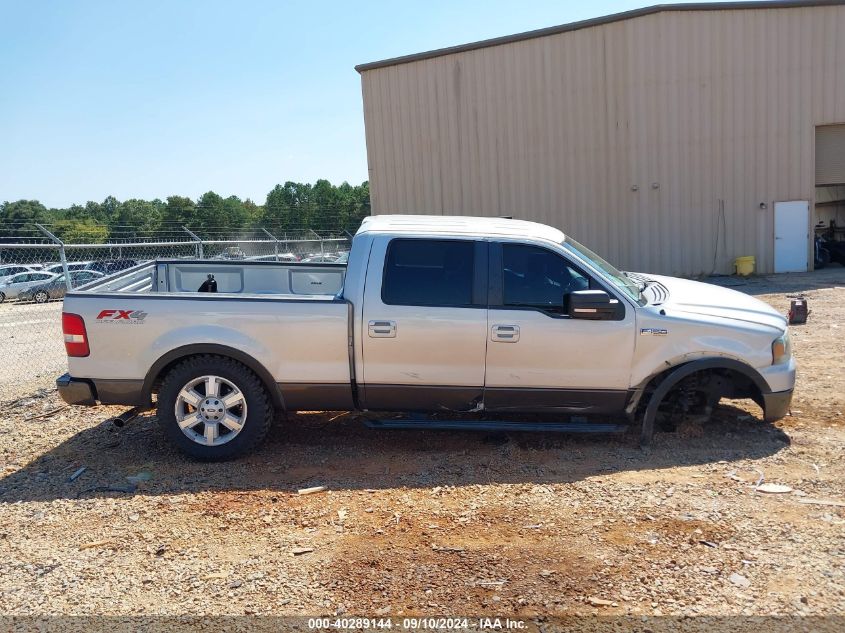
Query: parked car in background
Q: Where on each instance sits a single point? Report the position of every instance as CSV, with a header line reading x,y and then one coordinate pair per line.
x,y
109,266
59,269
233,252
12,286
281,257
13,269
320,259
56,288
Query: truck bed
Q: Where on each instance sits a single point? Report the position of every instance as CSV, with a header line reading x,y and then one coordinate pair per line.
x,y
232,276
288,317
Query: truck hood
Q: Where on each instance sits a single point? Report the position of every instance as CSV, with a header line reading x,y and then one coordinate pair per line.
x,y
696,298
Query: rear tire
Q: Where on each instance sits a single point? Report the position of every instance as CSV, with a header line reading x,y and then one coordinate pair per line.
x,y
2,297
213,408
41,297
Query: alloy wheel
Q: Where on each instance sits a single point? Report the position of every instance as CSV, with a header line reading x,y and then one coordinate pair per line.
x,y
210,410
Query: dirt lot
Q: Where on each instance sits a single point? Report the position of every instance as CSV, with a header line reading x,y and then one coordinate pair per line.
x,y
440,523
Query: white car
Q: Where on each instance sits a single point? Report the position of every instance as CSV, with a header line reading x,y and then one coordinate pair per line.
x,y
13,269
11,287
281,257
71,266
435,313
320,259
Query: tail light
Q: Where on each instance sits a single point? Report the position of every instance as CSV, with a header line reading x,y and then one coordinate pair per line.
x,y
76,338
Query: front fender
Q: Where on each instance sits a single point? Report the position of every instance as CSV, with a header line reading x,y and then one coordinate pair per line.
x,y
676,375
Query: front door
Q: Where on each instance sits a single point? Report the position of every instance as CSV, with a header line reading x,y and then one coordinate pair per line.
x,y
538,358
792,234
424,329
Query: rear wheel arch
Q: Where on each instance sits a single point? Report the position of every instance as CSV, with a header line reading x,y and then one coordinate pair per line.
x,y
171,359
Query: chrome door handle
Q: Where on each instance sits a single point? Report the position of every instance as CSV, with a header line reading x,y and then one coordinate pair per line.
x,y
382,329
505,333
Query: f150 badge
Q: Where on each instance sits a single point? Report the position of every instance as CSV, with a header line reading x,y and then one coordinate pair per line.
x,y
653,331
134,317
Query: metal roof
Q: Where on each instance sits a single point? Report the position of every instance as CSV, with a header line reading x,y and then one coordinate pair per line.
x,y
459,225
606,19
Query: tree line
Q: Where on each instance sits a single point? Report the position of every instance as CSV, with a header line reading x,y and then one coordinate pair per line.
x,y
289,208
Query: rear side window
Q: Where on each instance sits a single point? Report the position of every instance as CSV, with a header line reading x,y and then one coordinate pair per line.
x,y
428,273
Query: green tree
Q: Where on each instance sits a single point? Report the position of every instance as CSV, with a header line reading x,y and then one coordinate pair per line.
x,y
323,207
80,231
235,214
135,218
254,213
21,216
277,209
178,211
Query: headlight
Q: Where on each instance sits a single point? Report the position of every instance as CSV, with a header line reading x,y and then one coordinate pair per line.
x,y
781,349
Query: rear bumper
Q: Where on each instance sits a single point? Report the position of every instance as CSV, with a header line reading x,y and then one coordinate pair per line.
x,y
86,391
776,404
76,390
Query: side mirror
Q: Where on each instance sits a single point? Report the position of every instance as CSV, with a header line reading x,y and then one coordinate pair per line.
x,y
594,304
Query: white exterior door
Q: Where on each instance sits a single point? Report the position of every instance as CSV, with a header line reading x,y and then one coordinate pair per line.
x,y
792,234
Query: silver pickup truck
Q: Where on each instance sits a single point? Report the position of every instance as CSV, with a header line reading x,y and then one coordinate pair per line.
x,y
430,314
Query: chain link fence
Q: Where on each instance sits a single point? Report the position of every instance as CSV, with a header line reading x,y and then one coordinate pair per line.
x,y
36,272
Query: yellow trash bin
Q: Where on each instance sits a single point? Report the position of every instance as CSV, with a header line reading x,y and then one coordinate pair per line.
x,y
744,265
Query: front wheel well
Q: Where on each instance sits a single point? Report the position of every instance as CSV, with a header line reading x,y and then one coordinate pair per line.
x,y
722,381
694,387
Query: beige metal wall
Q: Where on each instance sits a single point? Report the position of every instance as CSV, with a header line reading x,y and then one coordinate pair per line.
x,y
692,108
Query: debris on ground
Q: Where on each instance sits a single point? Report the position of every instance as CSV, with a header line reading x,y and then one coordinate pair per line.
x,y
599,602
774,489
533,527
739,580
311,491
139,477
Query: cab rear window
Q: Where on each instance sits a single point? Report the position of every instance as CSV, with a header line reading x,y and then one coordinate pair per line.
x,y
428,273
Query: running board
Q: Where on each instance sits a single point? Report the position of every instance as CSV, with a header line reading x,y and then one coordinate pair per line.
x,y
497,426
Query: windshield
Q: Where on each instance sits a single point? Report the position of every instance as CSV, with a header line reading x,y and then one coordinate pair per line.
x,y
619,279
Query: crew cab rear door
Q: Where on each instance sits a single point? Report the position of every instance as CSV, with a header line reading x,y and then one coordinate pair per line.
x,y
424,329
538,358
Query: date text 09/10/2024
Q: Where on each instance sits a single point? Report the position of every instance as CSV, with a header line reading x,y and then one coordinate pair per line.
x,y
419,624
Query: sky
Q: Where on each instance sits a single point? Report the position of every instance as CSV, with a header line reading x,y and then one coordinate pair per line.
x,y
156,98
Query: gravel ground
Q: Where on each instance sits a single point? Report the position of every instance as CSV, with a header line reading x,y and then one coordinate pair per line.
x,y
439,523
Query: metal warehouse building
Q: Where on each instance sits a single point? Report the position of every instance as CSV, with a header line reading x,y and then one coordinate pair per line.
x,y
670,139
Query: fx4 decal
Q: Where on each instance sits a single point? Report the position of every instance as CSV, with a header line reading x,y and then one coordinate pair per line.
x,y
121,316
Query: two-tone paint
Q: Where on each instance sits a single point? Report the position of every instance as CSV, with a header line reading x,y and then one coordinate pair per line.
x,y
352,350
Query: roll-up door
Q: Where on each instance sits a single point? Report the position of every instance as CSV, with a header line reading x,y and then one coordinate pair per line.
x,y
830,155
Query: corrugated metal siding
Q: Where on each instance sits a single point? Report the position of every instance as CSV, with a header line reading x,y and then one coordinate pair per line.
x,y
692,108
